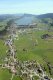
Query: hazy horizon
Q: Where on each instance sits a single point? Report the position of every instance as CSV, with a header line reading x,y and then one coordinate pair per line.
x,y
22,6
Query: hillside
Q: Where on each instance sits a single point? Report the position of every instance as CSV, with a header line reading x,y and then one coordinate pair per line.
x,y
48,15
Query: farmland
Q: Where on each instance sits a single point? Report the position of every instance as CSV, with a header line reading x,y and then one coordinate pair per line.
x,y
30,46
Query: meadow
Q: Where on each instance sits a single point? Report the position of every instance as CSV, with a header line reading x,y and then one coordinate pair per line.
x,y
31,46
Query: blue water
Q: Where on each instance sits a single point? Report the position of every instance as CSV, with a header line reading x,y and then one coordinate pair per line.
x,y
24,20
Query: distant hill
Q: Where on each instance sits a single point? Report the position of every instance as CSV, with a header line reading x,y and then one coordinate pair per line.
x,y
30,18
48,15
25,19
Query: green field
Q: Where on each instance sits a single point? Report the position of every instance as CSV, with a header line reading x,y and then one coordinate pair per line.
x,y
35,47
30,46
43,48
3,49
4,74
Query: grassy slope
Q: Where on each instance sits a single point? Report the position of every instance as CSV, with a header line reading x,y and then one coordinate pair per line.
x,y
3,49
44,47
4,74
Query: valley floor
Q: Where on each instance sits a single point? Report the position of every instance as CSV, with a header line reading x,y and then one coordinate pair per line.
x,y
26,52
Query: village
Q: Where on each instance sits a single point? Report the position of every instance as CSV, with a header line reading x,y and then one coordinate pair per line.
x,y
26,70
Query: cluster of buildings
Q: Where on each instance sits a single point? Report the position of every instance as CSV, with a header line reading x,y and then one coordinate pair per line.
x,y
26,69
